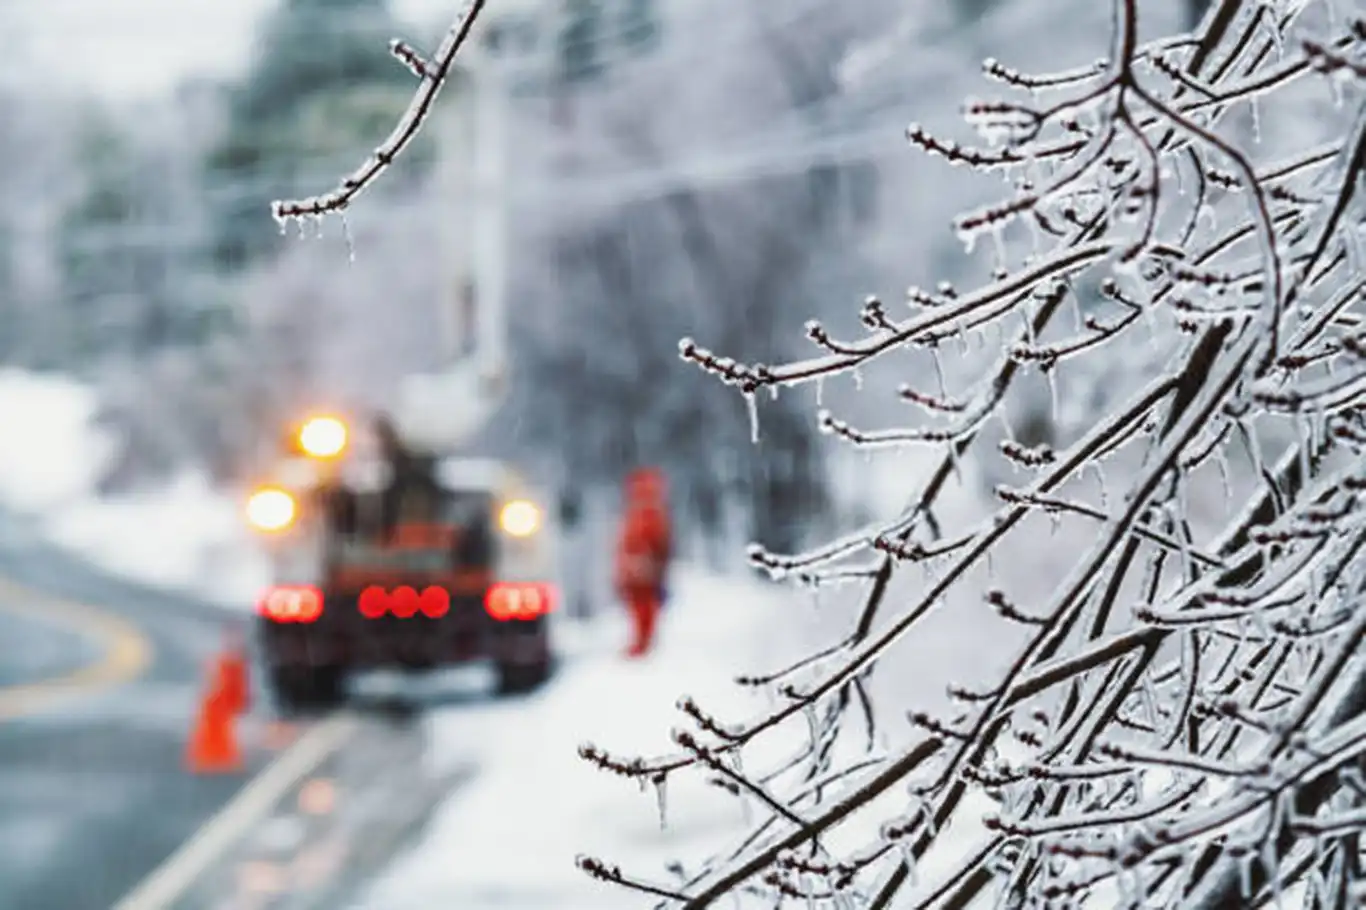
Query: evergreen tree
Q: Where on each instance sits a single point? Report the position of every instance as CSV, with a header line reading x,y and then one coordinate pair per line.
x,y
321,87
581,41
640,25
117,292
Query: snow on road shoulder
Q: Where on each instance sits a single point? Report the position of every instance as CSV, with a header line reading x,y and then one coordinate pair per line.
x,y
509,839
181,536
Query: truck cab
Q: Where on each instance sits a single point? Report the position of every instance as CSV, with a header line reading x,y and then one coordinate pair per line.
x,y
383,557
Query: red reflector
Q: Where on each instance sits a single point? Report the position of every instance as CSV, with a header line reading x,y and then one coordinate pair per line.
x,y
435,602
403,602
291,603
507,600
373,602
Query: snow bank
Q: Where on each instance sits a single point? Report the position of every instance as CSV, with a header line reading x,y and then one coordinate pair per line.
x,y
183,535
51,455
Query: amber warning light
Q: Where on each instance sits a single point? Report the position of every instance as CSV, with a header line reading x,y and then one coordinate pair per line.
x,y
323,437
271,509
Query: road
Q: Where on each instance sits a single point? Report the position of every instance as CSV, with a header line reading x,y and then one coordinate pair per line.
x,y
98,681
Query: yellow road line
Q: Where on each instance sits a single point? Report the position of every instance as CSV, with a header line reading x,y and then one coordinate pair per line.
x,y
127,652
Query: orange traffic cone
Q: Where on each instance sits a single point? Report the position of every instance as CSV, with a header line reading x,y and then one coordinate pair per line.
x,y
213,747
232,672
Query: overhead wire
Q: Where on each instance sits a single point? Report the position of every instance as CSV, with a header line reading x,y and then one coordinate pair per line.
x,y
772,152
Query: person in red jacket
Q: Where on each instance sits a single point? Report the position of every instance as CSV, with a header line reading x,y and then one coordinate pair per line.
x,y
643,552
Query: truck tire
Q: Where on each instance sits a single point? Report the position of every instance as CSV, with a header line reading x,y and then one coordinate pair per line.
x,y
515,679
329,687
289,689
301,690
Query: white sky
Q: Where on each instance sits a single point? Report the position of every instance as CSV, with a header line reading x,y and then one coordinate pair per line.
x,y
142,47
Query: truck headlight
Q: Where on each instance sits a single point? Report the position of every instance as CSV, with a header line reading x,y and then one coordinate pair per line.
x,y
271,509
323,437
520,518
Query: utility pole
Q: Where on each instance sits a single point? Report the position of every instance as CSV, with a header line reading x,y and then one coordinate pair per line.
x,y
444,410
490,239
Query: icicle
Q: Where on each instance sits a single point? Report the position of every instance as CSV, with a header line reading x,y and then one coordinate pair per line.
x,y
350,240
1007,431
858,379
1052,381
753,408
999,245
969,239
1150,322
1256,111
661,801
1304,459
1100,484
1221,462
1179,177
955,466
939,372
812,722
283,222
1335,89
1036,238
820,391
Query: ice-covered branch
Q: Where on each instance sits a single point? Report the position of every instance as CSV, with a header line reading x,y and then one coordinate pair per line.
x,y
432,75
1174,704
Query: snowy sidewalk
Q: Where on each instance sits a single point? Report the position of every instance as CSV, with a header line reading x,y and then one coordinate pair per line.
x,y
510,838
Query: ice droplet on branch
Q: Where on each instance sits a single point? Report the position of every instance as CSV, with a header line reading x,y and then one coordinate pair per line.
x,y
661,785
350,240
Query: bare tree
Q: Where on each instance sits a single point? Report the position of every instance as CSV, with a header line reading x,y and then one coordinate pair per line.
x,y
1181,720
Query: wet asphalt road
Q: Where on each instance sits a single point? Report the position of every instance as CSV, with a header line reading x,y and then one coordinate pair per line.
x,y
93,792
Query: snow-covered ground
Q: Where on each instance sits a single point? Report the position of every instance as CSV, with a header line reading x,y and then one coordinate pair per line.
x,y
509,839
181,536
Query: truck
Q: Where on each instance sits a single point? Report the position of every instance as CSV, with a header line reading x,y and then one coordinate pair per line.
x,y
384,555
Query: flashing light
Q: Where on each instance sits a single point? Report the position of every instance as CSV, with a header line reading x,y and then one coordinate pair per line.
x,y
520,518
292,603
271,509
323,437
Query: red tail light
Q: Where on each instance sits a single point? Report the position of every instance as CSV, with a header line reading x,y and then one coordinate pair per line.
x,y
435,602
373,602
508,600
292,603
404,602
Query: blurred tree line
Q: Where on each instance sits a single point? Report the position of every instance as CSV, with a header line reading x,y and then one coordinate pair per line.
x,y
165,281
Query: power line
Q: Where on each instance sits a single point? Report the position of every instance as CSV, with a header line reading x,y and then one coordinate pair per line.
x,y
642,185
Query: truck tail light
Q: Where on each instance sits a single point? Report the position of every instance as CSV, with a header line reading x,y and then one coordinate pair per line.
x,y
291,603
404,602
518,600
